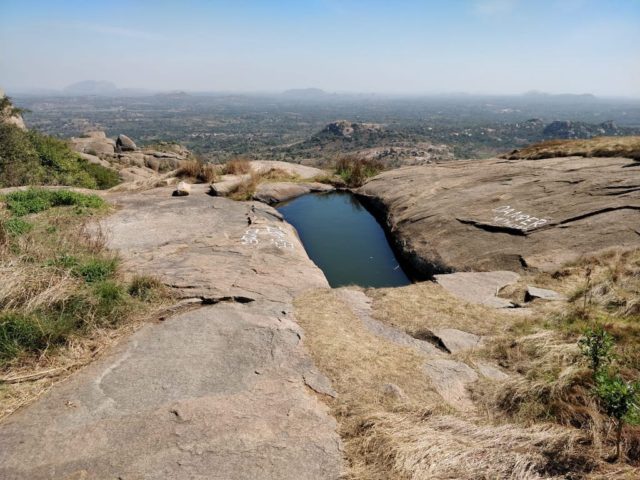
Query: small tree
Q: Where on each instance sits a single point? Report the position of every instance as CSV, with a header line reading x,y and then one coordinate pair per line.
x,y
597,345
619,399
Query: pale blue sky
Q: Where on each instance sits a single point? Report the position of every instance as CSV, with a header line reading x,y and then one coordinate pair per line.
x,y
401,46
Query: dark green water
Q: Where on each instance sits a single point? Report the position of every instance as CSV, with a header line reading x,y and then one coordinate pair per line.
x,y
344,240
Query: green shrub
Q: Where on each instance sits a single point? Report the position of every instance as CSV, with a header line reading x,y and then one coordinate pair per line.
x,y
31,158
619,399
26,333
96,269
62,164
105,178
34,200
146,288
597,345
16,226
64,261
354,171
19,161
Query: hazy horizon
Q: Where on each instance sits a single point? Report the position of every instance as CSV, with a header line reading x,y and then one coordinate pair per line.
x,y
408,47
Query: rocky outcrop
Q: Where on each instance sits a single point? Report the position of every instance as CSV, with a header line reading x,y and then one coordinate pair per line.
x,y
94,143
125,144
219,392
9,114
507,215
139,168
481,288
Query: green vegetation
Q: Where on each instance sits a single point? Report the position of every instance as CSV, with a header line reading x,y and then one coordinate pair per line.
x,y
34,200
597,346
59,283
618,397
31,158
354,171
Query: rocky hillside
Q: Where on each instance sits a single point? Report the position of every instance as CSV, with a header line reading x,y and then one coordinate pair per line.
x,y
372,141
596,147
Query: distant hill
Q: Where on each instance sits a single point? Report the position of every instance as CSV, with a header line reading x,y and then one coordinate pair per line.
x,y
91,87
305,93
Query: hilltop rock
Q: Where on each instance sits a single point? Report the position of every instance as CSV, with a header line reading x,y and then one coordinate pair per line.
x,y
125,144
94,143
508,215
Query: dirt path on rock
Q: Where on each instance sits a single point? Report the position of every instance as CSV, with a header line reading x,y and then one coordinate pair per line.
x,y
219,392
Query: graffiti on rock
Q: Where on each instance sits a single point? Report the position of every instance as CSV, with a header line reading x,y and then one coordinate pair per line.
x,y
508,216
273,235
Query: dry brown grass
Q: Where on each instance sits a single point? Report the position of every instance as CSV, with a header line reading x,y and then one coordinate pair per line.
x,y
237,166
416,436
628,147
246,188
427,305
198,171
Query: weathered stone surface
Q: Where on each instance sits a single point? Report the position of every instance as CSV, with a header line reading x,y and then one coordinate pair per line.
x,y
542,293
490,371
94,143
280,191
450,379
454,340
219,392
182,190
125,144
479,287
302,171
507,214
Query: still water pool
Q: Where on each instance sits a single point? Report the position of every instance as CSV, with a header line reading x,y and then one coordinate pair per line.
x,y
344,240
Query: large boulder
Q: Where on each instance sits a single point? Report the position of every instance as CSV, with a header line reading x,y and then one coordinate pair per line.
x,y
125,144
94,143
499,214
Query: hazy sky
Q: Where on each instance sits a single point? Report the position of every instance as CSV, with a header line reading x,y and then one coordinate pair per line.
x,y
395,46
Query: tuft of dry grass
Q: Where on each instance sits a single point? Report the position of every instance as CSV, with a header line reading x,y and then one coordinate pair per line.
x,y
237,166
427,305
246,188
355,170
198,171
628,147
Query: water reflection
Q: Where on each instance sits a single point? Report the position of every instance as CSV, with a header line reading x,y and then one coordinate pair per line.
x,y
344,240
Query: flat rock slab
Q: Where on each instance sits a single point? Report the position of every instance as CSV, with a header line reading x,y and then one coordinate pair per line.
x,y
454,340
215,393
281,191
542,293
501,214
220,392
450,379
302,171
211,247
479,287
